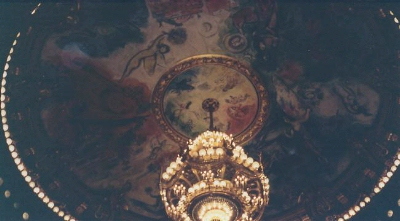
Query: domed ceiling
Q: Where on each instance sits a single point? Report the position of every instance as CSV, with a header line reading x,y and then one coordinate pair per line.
x,y
98,97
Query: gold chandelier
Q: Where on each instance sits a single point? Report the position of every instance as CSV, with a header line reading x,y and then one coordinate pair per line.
x,y
214,180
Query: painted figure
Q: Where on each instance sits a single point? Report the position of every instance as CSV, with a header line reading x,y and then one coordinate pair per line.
x,y
147,57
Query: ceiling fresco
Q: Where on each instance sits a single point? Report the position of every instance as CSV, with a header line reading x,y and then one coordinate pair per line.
x,y
240,100
98,97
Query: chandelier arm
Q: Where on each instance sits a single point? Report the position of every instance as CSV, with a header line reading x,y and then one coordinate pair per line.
x,y
196,173
186,181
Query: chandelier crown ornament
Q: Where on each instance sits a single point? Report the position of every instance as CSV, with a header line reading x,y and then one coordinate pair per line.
x,y
213,179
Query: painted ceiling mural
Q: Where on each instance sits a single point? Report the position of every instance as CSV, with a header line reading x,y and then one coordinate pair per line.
x,y
101,96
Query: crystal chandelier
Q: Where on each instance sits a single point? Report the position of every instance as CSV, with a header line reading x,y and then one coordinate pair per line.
x,y
213,179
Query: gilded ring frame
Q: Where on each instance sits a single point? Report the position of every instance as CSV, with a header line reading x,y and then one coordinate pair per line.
x,y
211,59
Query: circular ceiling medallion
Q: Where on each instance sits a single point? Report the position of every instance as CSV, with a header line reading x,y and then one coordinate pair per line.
x,y
235,43
240,100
